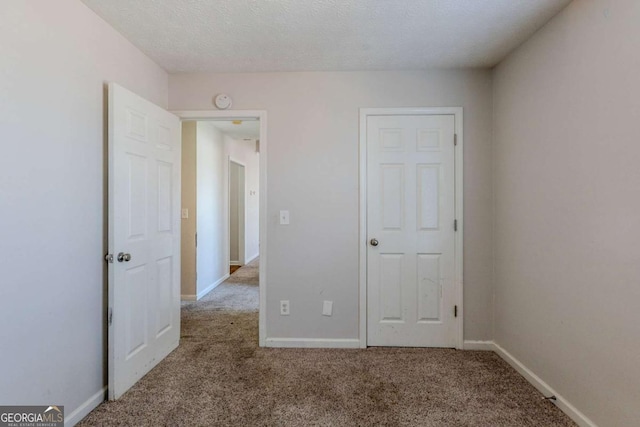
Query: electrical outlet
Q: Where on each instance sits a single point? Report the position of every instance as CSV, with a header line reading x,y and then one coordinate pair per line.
x,y
284,308
327,308
185,213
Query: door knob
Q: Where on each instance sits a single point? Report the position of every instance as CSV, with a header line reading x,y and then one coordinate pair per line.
x,y
124,257
374,242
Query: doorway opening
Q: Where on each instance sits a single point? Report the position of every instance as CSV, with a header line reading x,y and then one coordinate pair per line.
x,y
223,211
237,210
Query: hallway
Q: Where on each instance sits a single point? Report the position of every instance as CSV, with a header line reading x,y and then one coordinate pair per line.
x,y
238,293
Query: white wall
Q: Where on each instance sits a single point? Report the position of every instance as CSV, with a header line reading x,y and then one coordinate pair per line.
x,y
212,215
313,172
567,204
56,57
245,153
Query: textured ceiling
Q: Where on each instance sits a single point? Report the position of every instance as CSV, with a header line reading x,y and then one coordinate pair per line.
x,y
318,35
247,129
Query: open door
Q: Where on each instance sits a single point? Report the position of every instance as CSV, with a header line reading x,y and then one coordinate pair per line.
x,y
144,237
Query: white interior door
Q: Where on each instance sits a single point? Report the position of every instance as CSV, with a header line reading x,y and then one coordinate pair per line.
x,y
144,237
410,227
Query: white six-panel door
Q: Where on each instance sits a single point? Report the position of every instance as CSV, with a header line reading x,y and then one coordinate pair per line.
x,y
144,237
411,289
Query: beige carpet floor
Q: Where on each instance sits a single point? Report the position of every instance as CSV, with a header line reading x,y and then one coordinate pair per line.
x,y
220,377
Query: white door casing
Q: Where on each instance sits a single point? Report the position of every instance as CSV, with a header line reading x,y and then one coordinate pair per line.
x,y
411,275
144,222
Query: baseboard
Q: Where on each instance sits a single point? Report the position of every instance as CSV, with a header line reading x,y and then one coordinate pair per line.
x,y
312,343
83,410
252,258
478,345
544,388
234,263
188,297
212,286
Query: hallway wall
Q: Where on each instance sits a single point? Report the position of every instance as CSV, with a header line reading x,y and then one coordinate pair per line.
x,y
212,216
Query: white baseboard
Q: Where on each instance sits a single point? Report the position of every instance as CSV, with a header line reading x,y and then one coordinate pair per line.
x,y
83,410
544,388
234,263
212,286
312,343
252,258
188,297
478,345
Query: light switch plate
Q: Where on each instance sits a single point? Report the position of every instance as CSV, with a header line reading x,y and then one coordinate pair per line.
x,y
185,213
284,217
327,308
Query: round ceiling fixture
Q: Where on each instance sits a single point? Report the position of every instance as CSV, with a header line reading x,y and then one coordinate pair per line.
x,y
222,101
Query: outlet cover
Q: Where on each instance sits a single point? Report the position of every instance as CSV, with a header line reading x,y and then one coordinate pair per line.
x,y
285,308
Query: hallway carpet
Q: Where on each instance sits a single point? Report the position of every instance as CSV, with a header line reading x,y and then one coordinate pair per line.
x,y
220,377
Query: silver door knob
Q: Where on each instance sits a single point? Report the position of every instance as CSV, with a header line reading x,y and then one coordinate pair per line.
x,y
374,242
124,257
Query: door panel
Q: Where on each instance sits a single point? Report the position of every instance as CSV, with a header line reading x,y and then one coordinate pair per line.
x,y
392,197
144,197
410,211
428,288
391,287
135,309
428,197
164,315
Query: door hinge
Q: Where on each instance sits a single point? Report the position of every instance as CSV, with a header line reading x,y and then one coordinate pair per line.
x,y
455,139
109,258
455,311
196,240
455,225
110,316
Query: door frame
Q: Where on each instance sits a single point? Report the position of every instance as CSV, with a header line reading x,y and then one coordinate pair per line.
x,y
261,115
457,112
241,242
